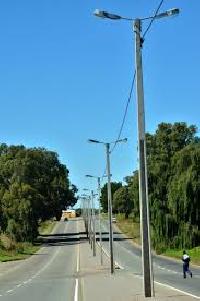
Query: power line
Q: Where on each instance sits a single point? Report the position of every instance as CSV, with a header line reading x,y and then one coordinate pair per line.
x,y
152,20
125,113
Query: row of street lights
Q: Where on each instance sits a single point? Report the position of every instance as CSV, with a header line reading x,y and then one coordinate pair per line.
x,y
107,145
143,187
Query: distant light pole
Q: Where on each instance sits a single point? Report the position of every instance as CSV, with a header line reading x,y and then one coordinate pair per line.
x,y
89,217
107,145
100,231
84,213
93,224
143,188
86,216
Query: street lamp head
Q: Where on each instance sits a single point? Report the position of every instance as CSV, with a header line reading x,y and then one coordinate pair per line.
x,y
89,176
122,140
93,141
173,12
105,15
169,13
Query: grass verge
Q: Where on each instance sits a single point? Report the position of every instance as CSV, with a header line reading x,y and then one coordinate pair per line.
x,y
25,250
46,227
129,228
176,253
22,251
132,230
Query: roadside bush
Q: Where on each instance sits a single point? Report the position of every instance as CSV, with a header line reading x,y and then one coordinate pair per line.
x,y
160,248
7,243
20,248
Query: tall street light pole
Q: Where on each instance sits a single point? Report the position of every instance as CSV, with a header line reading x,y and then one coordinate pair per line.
x,y
89,215
107,145
93,225
143,187
110,207
100,230
99,209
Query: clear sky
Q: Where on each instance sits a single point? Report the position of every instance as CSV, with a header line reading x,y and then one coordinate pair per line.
x,y
65,77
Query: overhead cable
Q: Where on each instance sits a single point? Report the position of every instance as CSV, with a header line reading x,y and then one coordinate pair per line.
x,y
125,113
153,19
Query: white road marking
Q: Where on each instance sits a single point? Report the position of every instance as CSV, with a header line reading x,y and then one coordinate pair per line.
x,y
18,285
76,290
116,263
41,270
78,252
176,289
160,283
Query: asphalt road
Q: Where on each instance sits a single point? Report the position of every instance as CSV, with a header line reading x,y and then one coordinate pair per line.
x,y
48,275
166,271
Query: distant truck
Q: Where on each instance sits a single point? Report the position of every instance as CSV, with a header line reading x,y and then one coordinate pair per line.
x,y
67,214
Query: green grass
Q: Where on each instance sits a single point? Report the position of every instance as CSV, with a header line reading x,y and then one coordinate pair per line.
x,y
46,227
130,228
194,254
25,250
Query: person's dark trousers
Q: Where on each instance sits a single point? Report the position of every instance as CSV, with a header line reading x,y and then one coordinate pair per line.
x,y
186,270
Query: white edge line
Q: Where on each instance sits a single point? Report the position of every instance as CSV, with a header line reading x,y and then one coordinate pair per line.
x,y
160,283
176,289
78,253
76,290
106,253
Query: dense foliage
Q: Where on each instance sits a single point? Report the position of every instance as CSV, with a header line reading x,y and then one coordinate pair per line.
x,y
104,194
173,158
34,186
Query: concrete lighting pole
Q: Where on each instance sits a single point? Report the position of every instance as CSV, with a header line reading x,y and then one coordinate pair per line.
x,y
143,187
107,145
86,216
110,206
93,225
100,230
89,215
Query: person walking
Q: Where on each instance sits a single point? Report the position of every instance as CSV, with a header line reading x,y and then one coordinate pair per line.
x,y
186,264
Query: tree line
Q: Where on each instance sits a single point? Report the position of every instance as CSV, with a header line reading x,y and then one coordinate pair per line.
x,y
173,161
34,187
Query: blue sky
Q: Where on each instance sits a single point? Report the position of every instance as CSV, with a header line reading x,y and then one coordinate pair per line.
x,y
65,77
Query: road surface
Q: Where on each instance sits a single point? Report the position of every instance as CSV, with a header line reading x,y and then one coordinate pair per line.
x,y
166,271
50,274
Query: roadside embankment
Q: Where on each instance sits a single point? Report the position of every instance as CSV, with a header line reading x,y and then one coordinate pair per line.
x,y
11,250
132,230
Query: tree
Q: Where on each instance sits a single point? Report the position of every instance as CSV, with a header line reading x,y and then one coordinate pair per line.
x,y
122,202
133,191
173,156
104,194
34,186
184,195
161,147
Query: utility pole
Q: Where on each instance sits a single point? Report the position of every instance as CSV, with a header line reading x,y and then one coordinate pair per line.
x,y
100,233
143,187
90,221
110,208
93,225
